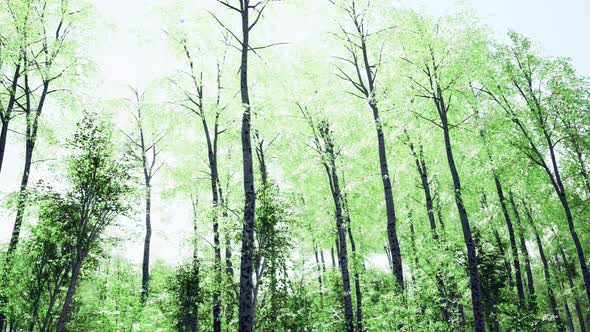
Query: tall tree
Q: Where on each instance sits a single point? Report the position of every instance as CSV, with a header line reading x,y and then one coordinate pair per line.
x,y
523,71
324,144
547,274
144,148
364,81
437,81
42,64
525,254
194,101
244,8
99,186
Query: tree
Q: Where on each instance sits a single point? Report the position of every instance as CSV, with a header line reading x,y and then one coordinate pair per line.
x,y
523,71
437,80
364,81
323,141
245,7
94,200
143,147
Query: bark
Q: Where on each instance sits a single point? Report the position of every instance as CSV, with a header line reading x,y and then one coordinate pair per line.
x,y
355,263
552,301
246,310
570,278
507,267
366,84
68,301
145,270
476,296
515,255
319,269
6,116
396,257
537,156
423,172
343,251
525,254
31,139
332,255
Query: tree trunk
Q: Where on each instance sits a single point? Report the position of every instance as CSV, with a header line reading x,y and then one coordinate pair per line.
x,y
552,301
515,255
145,271
506,263
332,255
525,254
476,297
5,117
20,209
570,278
343,255
31,138
357,282
246,311
396,257
319,269
68,301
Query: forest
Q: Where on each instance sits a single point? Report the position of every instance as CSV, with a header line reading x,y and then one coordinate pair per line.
x,y
299,165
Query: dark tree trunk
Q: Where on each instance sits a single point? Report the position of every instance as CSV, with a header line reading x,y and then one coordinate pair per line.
x,y
332,255
506,263
476,296
319,269
396,257
525,254
145,270
423,172
515,255
357,280
246,311
570,278
552,301
68,301
342,250
31,138
5,117
21,204
212,155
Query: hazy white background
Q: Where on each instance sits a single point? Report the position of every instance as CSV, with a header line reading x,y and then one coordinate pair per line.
x,y
130,49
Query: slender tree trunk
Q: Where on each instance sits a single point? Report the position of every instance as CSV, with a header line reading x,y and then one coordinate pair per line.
x,y
333,260
246,311
570,278
6,116
525,254
503,254
337,251
341,242
396,257
68,301
357,282
552,301
145,270
319,269
423,172
31,138
476,296
515,255
20,209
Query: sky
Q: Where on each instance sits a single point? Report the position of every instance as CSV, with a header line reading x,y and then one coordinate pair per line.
x,y
131,49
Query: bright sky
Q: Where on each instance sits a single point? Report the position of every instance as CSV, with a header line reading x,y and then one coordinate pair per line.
x,y
131,50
